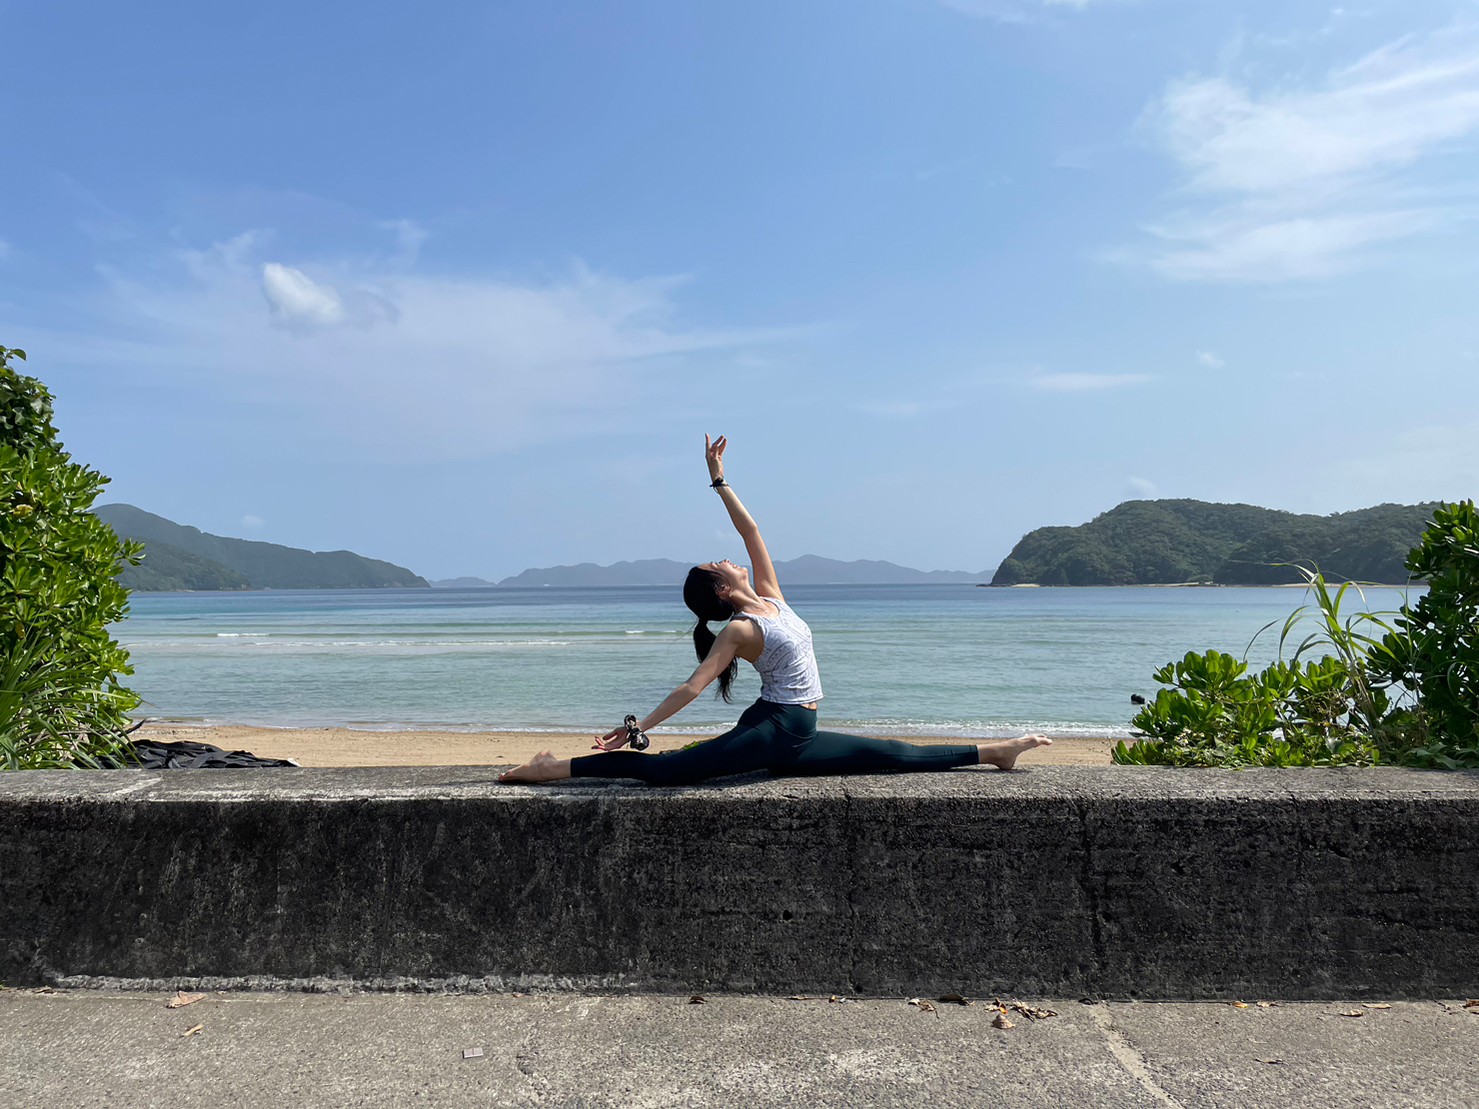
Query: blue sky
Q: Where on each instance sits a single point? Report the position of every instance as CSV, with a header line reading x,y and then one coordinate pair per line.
x,y
463,285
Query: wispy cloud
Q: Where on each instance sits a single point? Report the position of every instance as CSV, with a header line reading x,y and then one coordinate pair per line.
x,y
893,409
1082,382
1212,361
406,363
1437,462
1141,488
300,303
1019,11
1300,182
409,238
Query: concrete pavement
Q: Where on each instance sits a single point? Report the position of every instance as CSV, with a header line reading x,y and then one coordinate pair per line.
x,y
84,1048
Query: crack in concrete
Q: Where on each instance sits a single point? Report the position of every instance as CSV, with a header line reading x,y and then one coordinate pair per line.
x,y
1129,1057
852,891
1090,889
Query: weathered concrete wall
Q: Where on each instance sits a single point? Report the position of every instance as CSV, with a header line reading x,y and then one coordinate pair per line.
x,y
1054,882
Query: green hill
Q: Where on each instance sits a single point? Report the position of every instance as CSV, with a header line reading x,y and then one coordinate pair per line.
x,y
168,568
1158,542
180,557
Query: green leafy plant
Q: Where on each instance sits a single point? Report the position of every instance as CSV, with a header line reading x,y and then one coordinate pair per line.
x,y
1432,649
61,703
1215,713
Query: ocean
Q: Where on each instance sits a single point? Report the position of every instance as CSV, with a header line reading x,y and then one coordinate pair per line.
x,y
910,659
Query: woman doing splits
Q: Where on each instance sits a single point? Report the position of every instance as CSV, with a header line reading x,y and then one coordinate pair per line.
x,y
778,732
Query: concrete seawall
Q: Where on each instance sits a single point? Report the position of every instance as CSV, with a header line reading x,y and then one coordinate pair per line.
x,y
1117,882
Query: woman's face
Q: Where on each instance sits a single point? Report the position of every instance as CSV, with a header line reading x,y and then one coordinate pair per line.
x,y
732,575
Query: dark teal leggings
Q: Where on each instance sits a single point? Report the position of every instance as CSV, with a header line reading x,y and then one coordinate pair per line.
x,y
780,738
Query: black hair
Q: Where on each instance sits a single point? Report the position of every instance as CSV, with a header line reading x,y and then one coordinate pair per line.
x,y
701,595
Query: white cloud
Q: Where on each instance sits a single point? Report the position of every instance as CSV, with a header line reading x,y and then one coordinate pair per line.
x,y
1300,182
299,303
1083,382
1244,245
1141,488
399,363
250,521
1207,358
296,299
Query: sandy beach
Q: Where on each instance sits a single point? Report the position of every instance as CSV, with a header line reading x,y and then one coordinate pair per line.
x,y
350,747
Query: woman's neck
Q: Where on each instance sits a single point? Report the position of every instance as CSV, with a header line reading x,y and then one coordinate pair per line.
x,y
744,599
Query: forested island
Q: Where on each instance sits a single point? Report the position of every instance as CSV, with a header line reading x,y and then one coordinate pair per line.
x,y
178,557
1187,541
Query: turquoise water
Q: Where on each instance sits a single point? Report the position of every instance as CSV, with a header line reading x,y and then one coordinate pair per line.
x,y
923,659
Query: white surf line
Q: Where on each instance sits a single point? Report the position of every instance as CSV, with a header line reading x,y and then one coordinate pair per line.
x,y
1129,1056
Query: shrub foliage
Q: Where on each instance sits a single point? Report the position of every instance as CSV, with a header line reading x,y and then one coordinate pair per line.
x,y
1371,688
1433,647
61,703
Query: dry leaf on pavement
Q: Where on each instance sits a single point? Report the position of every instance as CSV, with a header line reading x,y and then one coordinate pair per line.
x,y
192,1031
181,999
1001,1021
1033,1013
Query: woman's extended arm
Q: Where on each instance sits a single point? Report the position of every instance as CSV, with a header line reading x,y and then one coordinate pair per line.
x,y
726,646
764,580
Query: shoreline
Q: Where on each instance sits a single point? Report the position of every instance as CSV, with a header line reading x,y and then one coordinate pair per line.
x,y
1409,584
345,747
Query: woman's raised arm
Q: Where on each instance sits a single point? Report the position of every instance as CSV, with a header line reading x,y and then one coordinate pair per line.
x,y
762,569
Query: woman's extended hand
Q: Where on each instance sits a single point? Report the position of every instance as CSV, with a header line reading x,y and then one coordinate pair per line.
x,y
714,453
613,740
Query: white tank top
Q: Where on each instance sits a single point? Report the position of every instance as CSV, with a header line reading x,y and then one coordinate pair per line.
x,y
787,664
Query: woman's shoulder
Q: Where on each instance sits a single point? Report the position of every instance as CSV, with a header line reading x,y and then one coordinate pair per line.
x,y
742,630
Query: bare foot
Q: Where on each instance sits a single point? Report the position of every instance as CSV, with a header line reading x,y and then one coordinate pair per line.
x,y
1003,753
543,767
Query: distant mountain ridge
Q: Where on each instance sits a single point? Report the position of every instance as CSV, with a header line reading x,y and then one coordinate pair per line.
x,y
180,557
806,570
1175,541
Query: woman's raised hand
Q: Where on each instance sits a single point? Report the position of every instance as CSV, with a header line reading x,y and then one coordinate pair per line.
x,y
714,453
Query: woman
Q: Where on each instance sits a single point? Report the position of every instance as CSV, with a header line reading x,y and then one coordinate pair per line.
x,y
778,732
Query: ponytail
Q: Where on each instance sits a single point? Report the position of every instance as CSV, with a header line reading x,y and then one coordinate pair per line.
x,y
702,599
